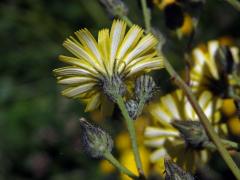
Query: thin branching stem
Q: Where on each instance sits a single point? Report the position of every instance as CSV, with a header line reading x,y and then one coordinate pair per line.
x,y
146,15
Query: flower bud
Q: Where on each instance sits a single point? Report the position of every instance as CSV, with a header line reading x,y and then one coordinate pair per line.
x,y
145,88
96,141
132,107
174,172
193,133
115,7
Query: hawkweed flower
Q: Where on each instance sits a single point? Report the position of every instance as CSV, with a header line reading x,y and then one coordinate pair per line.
x,y
115,58
164,139
180,16
212,68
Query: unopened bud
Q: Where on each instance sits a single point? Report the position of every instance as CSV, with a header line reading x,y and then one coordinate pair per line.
x,y
132,107
115,7
114,87
145,88
193,133
174,172
96,141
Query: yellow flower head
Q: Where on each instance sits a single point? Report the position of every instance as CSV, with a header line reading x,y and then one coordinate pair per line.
x,y
166,140
115,52
208,72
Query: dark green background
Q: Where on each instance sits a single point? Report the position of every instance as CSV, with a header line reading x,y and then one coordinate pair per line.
x,y
39,131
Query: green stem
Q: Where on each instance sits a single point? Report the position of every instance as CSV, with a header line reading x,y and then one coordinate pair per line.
x,y
209,129
116,163
147,16
132,133
234,3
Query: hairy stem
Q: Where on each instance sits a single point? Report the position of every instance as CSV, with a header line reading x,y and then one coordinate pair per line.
x,y
121,168
147,16
132,133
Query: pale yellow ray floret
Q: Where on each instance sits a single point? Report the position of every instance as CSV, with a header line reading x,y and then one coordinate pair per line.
x,y
205,67
115,52
164,139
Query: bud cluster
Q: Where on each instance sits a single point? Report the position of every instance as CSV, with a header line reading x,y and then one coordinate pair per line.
x,y
144,91
145,88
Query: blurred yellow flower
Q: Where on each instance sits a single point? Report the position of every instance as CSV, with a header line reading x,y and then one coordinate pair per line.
x,y
207,72
187,27
106,167
229,108
166,140
116,52
234,125
127,159
161,4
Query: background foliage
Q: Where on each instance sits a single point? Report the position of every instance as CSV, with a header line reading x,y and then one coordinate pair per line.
x,y
39,131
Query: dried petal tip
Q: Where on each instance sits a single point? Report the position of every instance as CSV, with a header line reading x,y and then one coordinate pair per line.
x,y
115,7
145,88
174,172
193,133
96,141
132,107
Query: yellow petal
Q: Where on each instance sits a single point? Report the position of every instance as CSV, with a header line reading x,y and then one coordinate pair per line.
x,y
145,44
76,80
158,132
144,66
72,71
130,40
93,103
89,44
74,91
116,36
77,62
104,45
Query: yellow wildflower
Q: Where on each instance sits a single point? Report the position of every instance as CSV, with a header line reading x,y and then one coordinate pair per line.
x,y
166,140
207,72
116,52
